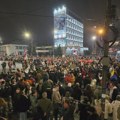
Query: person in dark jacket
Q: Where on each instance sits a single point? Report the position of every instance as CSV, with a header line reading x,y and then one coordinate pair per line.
x,y
93,114
113,91
23,106
84,108
68,113
88,92
44,105
77,92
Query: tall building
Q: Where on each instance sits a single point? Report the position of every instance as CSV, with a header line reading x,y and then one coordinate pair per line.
x,y
68,31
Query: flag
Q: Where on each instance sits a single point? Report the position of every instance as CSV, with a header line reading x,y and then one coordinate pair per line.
x,y
25,54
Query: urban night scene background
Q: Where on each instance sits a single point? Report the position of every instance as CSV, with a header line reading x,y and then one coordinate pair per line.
x,y
60,60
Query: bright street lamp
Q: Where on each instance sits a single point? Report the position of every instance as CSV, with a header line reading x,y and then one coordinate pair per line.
x,y
94,38
101,31
94,44
27,35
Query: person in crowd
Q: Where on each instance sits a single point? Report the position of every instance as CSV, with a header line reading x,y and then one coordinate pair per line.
x,y
47,87
86,80
15,102
113,91
79,78
44,106
108,108
39,88
68,112
4,67
93,114
77,92
69,88
33,102
115,106
56,99
23,106
3,109
10,65
23,84
89,93
84,108
98,107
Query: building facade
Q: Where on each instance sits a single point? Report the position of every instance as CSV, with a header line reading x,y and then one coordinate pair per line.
x,y
12,49
68,31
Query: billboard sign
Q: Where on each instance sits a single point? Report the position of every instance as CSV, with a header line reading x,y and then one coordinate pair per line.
x,y
60,23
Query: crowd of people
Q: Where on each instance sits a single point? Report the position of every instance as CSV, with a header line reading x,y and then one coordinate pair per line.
x,y
64,88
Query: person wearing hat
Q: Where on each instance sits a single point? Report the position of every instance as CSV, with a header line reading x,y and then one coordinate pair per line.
x,y
115,106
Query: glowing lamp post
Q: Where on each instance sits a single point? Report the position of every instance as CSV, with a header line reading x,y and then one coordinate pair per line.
x,y
94,44
27,35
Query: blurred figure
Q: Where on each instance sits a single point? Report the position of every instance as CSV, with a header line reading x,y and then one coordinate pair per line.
x,y
77,92
68,112
115,106
3,109
113,91
93,114
89,93
23,105
56,99
33,102
84,108
44,105
108,109
4,67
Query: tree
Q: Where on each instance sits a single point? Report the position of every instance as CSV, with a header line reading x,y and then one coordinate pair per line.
x,y
58,51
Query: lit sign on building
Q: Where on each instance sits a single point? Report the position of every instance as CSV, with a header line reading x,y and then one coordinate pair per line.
x,y
60,23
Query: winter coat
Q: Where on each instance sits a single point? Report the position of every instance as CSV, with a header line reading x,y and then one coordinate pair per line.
x,y
84,109
68,114
115,105
108,109
23,103
45,105
113,93
56,97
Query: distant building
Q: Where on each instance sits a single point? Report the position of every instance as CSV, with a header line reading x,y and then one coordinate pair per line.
x,y
44,50
68,31
12,49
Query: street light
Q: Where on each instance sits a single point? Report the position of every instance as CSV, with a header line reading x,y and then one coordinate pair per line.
x,y
94,38
101,31
94,44
28,35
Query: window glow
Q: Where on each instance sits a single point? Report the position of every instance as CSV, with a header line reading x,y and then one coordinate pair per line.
x,y
55,11
64,8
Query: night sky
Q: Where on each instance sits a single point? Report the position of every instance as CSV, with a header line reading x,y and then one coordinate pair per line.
x,y
36,16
